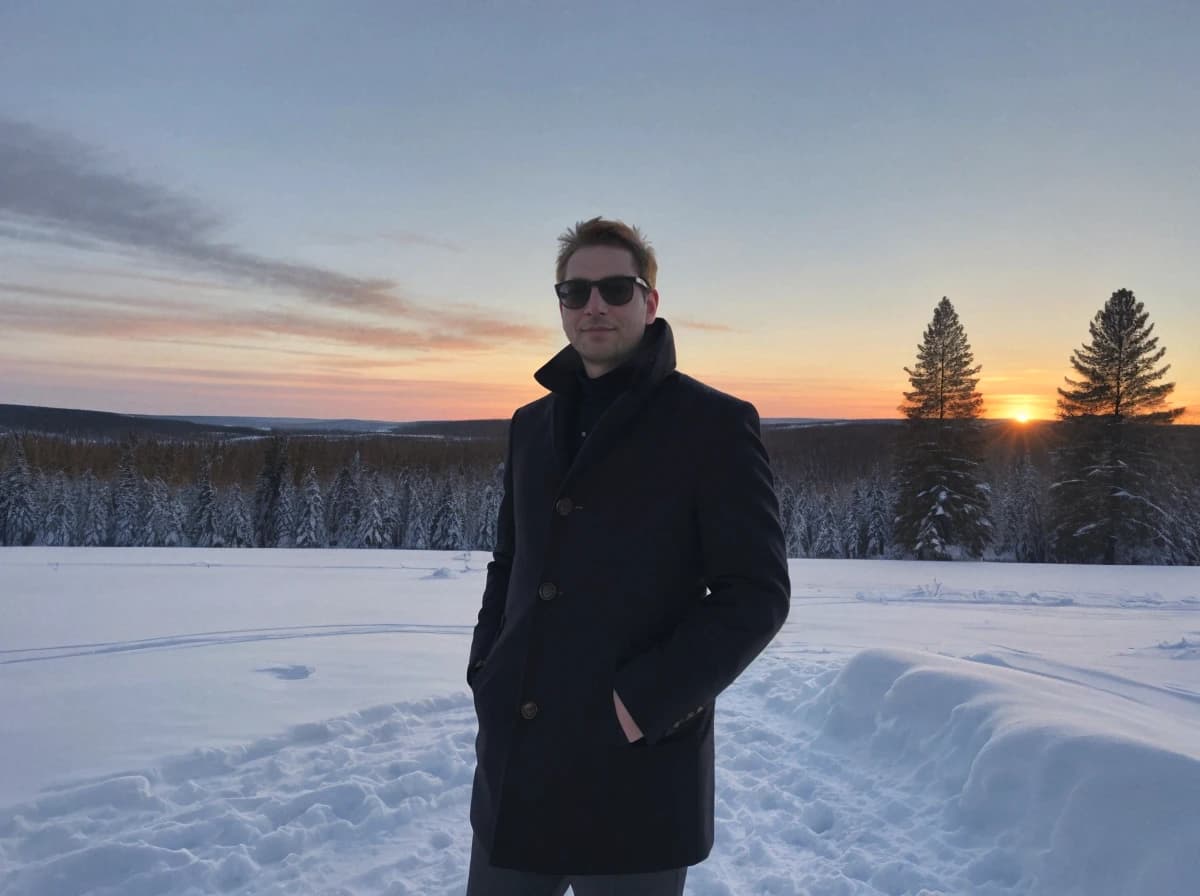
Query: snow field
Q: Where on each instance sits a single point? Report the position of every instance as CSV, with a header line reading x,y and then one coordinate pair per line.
x,y
895,773
295,722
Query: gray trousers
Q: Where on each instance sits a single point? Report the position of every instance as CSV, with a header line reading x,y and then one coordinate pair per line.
x,y
484,879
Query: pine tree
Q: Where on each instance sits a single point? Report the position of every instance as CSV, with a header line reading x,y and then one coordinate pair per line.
x,y
857,521
58,524
417,528
1107,495
204,529
275,472
162,526
345,503
310,517
829,539
93,515
20,523
283,521
371,531
447,531
489,511
800,526
879,526
127,518
942,505
1022,531
238,533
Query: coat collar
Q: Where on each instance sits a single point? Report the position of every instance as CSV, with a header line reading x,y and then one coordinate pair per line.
x,y
653,362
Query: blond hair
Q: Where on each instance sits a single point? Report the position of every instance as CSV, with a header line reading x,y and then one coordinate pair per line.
x,y
603,232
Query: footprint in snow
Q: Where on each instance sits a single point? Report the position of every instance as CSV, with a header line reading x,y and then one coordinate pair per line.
x,y
289,673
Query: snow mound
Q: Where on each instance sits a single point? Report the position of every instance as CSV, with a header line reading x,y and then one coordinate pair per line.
x,y
1023,767
1184,649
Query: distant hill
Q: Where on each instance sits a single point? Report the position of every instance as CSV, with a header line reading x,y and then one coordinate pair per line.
x,y
106,425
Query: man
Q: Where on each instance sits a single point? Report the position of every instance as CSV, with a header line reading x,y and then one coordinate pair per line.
x,y
639,568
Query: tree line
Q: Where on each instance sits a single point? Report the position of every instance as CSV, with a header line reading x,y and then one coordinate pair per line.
x,y
1107,483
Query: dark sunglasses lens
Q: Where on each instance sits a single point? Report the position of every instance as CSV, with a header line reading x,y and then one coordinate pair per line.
x,y
616,290
574,293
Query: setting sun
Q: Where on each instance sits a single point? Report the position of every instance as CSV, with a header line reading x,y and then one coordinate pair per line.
x,y
1021,416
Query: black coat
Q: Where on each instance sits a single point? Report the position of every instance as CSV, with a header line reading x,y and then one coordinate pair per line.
x,y
652,564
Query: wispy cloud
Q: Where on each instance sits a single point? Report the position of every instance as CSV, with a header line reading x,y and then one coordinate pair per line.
x,y
155,389
690,324
132,320
55,189
133,317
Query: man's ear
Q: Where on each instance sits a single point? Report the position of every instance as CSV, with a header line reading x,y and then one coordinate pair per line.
x,y
651,306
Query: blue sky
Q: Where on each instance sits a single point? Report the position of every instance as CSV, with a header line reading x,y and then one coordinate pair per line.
x,y
311,209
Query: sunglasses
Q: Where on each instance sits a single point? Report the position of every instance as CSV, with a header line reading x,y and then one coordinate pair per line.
x,y
618,290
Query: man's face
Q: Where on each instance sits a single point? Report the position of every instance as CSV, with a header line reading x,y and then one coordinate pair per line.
x,y
606,335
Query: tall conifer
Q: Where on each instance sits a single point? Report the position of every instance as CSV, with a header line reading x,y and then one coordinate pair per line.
x,y
942,505
1110,465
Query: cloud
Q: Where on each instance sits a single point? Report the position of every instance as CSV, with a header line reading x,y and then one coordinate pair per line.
x,y
152,389
689,324
55,189
151,320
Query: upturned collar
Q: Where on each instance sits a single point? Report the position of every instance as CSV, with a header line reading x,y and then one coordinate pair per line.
x,y
651,362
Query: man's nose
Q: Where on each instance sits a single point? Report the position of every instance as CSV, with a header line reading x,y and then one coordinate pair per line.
x,y
595,304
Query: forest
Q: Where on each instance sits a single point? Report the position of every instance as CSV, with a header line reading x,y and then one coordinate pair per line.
x,y
836,486
1115,479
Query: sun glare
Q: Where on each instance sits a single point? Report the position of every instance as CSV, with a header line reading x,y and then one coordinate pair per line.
x,y
1021,416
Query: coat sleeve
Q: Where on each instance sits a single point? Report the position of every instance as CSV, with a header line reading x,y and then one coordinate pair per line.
x,y
744,566
495,591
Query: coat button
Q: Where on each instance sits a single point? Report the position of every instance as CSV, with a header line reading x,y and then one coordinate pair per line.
x,y
548,591
564,506
529,710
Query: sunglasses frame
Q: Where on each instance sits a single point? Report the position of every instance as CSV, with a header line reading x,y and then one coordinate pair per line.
x,y
559,289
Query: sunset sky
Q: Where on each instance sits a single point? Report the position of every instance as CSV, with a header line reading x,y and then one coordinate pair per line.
x,y
350,210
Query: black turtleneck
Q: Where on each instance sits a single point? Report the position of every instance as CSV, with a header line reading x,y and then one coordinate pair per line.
x,y
594,397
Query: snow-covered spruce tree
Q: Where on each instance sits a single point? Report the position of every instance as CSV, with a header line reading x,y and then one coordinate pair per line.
x,y
446,533
1022,530
283,521
803,522
828,544
4,490
372,533
1185,507
343,509
489,510
204,523
275,471
20,523
93,514
879,518
1106,501
942,506
235,522
163,525
127,517
58,522
416,529
310,515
